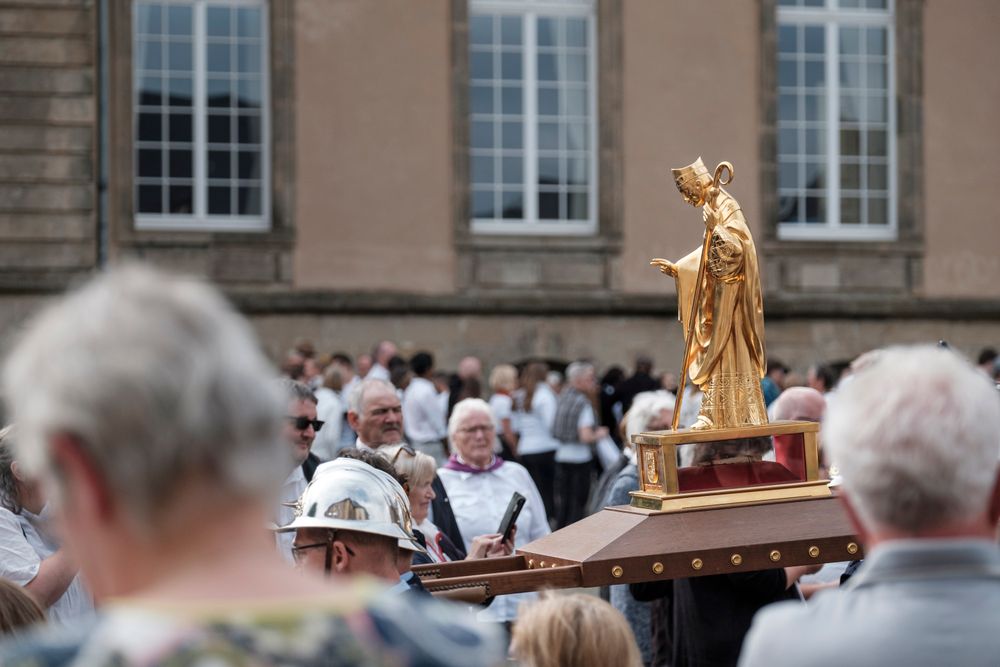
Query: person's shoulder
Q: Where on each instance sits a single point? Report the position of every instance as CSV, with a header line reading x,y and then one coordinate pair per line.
x,y
793,633
435,632
47,646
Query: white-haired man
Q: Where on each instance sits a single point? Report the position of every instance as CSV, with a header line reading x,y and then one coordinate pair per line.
x,y
575,427
915,436
161,440
375,413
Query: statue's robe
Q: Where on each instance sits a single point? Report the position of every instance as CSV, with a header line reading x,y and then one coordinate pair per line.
x,y
728,358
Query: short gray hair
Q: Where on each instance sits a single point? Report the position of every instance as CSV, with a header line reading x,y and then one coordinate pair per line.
x,y
158,378
916,436
293,390
578,369
463,409
10,491
645,406
356,399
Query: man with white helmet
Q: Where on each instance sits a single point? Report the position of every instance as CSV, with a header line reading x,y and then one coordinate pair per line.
x,y
353,519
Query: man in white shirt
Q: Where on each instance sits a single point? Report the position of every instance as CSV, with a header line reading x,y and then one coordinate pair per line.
x,y
425,423
384,351
299,430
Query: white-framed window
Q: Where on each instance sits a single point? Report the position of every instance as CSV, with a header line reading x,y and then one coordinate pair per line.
x,y
836,122
533,116
201,131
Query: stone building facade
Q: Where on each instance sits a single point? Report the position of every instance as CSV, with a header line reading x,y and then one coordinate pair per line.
x,y
336,166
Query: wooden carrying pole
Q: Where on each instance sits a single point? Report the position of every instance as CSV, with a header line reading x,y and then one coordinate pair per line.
x,y
698,288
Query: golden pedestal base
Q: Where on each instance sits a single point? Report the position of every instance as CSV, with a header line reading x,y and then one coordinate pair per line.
x,y
660,488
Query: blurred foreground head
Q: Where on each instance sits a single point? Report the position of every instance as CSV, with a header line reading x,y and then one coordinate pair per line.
x,y
916,435
156,412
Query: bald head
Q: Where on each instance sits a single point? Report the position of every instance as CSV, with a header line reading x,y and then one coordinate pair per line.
x,y
800,404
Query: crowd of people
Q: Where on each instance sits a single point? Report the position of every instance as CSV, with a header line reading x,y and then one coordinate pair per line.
x,y
169,498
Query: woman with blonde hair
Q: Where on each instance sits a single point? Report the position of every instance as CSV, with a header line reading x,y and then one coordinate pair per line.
x,y
577,629
503,383
18,610
416,472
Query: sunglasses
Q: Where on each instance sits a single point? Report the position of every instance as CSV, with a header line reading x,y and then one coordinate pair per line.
x,y
403,448
302,423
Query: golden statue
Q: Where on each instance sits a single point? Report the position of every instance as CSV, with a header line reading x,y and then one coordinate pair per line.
x,y
720,306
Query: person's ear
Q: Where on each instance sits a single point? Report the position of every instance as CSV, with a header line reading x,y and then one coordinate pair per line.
x,y
353,421
341,558
83,483
15,470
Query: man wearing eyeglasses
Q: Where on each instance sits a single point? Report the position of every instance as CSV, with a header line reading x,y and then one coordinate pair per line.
x,y
299,431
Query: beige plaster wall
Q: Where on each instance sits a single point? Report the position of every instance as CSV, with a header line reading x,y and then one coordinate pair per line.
x,y
373,142
690,88
961,148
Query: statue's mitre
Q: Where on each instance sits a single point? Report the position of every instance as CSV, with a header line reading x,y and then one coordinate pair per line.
x,y
693,170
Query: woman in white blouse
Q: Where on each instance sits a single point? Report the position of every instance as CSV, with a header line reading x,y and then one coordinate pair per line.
x,y
534,413
480,485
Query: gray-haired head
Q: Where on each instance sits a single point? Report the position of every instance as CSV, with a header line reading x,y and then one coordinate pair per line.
x,y
463,409
916,435
356,399
159,381
577,370
9,488
293,390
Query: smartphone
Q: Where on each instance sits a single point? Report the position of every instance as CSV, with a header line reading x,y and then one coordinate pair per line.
x,y
510,516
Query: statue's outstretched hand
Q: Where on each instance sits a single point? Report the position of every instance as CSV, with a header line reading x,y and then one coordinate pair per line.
x,y
665,266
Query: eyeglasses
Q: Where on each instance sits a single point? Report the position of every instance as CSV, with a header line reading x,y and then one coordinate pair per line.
x,y
403,448
478,429
302,423
298,554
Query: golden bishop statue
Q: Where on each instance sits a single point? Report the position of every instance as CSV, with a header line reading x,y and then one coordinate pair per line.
x,y
720,306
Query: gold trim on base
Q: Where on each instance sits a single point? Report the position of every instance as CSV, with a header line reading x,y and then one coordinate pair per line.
x,y
724,497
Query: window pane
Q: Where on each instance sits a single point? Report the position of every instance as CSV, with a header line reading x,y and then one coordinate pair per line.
x,y
788,176
181,199
878,211
815,142
850,142
482,99
482,169
576,206
815,73
815,176
548,205
877,143
511,67
512,100
850,41
815,107
512,204
219,200
179,20
850,176
250,94
548,101
150,127
248,56
218,58
510,31
150,54
513,135
181,91
575,136
150,199
219,129
249,163
876,77
150,91
248,22
815,209
876,109
850,210
248,200
788,106
249,129
218,164
576,68
548,171
148,20
875,41
180,127
878,177
150,162
547,32
788,72
180,163
787,39
482,134
576,171
850,75
217,90
788,142
850,108
547,67
548,136
481,65
576,32
513,171
217,22
482,204
576,102
788,208
481,29
814,40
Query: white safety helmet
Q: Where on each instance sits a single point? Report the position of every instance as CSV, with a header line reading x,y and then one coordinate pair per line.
x,y
346,494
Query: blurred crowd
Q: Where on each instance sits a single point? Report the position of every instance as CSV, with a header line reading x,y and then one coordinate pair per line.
x,y
167,498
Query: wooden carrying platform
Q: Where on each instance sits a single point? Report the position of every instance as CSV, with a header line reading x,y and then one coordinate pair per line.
x,y
628,544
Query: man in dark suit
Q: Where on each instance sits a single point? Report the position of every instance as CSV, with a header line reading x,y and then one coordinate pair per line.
x,y
642,380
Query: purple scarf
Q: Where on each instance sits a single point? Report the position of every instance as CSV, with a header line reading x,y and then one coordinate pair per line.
x,y
454,464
